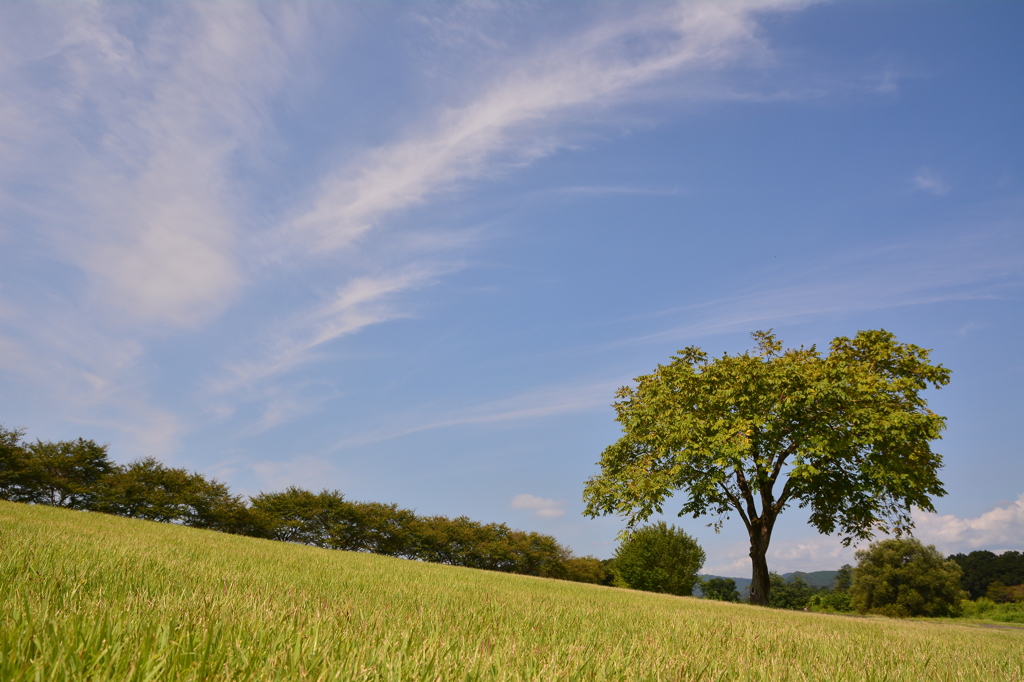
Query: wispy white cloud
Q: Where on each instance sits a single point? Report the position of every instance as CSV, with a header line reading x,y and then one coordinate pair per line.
x,y
928,180
888,81
119,129
980,266
131,124
540,506
1000,528
515,116
360,303
509,122
539,403
138,127
82,376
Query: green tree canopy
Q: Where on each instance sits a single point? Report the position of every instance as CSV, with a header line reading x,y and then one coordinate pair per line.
x,y
659,558
61,474
982,568
584,569
15,481
846,435
793,595
902,577
719,589
297,515
843,579
490,546
147,489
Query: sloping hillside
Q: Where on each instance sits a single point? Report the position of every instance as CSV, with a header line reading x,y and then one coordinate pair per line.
x,y
88,596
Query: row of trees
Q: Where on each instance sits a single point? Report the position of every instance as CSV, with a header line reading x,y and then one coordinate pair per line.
x,y
991,575
792,594
79,475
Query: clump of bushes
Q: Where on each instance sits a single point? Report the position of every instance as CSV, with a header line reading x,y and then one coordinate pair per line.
x,y
719,589
830,601
985,608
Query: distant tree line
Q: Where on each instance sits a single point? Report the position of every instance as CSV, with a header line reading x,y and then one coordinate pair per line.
x,y
901,577
79,475
897,577
999,577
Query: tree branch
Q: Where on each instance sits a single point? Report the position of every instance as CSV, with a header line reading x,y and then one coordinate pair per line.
x,y
787,492
748,497
783,456
736,504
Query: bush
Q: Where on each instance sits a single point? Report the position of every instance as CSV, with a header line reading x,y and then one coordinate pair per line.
x,y
78,475
659,558
791,595
986,609
998,592
830,602
902,577
64,474
584,569
146,489
720,589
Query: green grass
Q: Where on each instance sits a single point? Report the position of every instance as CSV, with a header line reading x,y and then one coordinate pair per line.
x,y
92,597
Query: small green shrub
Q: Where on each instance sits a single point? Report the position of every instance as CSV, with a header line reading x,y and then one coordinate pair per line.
x,y
986,609
830,602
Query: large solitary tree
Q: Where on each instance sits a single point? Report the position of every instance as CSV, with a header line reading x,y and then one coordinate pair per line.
x,y
846,435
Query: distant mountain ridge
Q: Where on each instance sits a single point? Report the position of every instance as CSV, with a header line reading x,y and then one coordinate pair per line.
x,y
815,578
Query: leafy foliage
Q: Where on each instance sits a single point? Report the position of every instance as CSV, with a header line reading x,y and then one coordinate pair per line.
x,y
1002,594
830,601
794,594
985,608
719,589
146,489
492,546
837,599
297,515
659,558
982,568
585,569
63,474
844,579
15,483
902,577
77,474
846,435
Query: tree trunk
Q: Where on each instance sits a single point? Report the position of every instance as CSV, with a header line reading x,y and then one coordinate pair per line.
x,y
760,584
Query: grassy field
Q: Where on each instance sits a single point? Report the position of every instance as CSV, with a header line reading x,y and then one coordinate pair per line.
x,y
92,597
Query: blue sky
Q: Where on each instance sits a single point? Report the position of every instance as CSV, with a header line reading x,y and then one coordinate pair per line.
x,y
410,250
